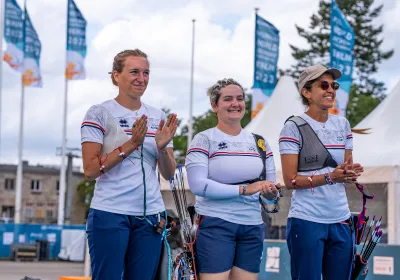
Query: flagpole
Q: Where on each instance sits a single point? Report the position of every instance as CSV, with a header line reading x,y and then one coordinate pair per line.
x,y
61,197
18,191
2,16
252,110
63,171
190,132
255,41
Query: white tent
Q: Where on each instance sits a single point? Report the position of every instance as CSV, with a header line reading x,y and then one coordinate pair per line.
x,y
284,102
383,143
379,153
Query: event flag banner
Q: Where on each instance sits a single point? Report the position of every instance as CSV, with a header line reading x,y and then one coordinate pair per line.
x,y
13,35
266,55
341,56
76,43
32,49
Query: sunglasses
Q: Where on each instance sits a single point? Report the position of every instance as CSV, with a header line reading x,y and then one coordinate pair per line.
x,y
325,85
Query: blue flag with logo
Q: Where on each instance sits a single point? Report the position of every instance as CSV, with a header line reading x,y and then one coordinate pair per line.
x,y
76,43
341,56
266,55
14,35
32,48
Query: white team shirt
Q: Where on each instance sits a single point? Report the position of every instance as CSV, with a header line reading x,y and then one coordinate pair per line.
x,y
121,189
328,204
229,160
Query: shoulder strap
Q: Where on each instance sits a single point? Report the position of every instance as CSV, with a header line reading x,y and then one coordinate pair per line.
x,y
262,150
312,139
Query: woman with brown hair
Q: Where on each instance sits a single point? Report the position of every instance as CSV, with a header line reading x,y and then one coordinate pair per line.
x,y
123,140
228,169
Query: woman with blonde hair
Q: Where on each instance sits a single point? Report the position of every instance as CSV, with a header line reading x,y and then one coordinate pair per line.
x,y
123,140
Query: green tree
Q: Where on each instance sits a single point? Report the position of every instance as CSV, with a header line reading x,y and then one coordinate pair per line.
x,y
366,92
357,110
85,192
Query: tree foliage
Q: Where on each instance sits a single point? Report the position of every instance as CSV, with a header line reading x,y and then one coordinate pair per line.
x,y
85,192
366,92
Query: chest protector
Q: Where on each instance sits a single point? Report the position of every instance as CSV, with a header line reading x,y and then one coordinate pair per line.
x,y
313,154
114,135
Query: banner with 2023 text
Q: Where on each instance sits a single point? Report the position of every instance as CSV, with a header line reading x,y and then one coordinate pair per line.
x,y
341,56
266,55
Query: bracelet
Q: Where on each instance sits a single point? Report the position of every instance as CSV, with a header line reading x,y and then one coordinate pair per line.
x,y
328,179
310,180
121,153
101,163
293,181
244,190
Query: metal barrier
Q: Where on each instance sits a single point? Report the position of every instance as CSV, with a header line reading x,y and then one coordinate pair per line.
x,y
47,236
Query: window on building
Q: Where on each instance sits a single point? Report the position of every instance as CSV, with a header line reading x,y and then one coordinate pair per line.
x,y
9,184
58,187
49,214
35,186
28,212
7,211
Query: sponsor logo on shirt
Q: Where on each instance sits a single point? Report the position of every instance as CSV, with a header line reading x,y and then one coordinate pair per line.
x,y
123,123
222,145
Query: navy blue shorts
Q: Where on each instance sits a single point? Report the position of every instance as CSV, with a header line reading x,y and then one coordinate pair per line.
x,y
319,249
220,245
122,246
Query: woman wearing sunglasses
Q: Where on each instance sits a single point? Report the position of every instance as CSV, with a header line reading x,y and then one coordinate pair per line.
x,y
318,233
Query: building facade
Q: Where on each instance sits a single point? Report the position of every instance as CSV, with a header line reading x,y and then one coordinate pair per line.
x,y
40,194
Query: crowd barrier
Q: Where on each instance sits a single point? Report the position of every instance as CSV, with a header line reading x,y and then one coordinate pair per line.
x,y
384,263
31,233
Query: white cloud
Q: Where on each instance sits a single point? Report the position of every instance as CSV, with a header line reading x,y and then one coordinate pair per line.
x,y
224,48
